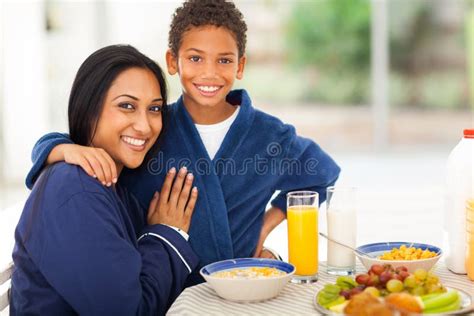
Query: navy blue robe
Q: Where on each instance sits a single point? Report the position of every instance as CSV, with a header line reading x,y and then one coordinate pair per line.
x,y
259,156
82,248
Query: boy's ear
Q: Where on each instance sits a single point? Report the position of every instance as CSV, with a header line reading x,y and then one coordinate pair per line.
x,y
171,62
241,67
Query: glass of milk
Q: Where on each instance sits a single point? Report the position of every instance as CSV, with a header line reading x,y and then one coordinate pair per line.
x,y
341,206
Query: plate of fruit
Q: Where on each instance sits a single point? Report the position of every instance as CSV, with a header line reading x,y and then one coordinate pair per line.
x,y
388,291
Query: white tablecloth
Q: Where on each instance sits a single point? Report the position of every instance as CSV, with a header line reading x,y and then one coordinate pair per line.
x,y
295,299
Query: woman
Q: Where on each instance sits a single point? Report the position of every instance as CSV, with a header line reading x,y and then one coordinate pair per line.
x,y
82,248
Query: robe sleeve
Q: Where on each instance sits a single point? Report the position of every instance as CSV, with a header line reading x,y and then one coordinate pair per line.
x,y
305,167
41,152
86,256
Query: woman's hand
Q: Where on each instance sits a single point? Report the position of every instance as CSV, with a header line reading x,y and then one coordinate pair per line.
x,y
96,162
174,206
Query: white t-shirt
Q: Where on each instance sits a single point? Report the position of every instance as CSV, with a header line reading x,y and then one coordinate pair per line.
x,y
213,135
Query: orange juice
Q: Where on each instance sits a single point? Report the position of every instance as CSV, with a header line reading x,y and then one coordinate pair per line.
x,y
303,239
470,242
470,259
470,239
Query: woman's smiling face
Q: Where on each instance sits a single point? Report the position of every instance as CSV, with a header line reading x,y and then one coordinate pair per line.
x,y
131,118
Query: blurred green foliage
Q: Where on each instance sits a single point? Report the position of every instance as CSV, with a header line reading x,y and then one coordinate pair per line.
x,y
410,30
329,43
334,35
470,50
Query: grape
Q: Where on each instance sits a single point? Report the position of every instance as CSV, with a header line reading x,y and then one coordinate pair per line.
x,y
418,290
384,292
420,274
432,279
377,269
385,277
394,286
432,288
403,275
346,294
388,267
410,281
397,277
373,281
362,279
373,291
401,268
355,291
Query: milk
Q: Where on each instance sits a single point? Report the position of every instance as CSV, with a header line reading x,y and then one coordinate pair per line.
x,y
341,225
459,188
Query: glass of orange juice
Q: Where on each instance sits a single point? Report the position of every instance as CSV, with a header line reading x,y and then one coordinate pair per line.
x,y
302,216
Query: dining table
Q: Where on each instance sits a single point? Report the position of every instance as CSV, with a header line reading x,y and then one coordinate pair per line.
x,y
294,299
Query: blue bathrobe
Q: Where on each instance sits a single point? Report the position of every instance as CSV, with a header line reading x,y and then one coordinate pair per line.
x,y
259,156
82,248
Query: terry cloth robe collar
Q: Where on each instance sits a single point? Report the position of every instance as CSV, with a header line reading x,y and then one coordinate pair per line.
x,y
212,194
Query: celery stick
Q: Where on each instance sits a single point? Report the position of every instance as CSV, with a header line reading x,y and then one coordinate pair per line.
x,y
429,296
332,288
454,306
338,301
327,295
442,300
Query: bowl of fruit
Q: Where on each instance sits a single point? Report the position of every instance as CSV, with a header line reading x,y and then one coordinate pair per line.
x,y
412,256
385,290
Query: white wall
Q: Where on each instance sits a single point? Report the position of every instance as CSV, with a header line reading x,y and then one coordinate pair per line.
x,y
24,113
76,31
39,65
145,25
1,92
81,27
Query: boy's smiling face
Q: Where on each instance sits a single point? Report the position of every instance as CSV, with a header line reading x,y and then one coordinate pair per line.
x,y
207,64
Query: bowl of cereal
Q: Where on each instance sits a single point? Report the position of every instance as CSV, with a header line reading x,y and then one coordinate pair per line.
x,y
408,254
248,279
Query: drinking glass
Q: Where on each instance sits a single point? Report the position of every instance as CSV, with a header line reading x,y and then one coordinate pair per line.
x,y
341,207
302,216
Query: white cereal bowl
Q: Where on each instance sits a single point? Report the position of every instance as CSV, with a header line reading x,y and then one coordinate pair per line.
x,y
377,249
247,289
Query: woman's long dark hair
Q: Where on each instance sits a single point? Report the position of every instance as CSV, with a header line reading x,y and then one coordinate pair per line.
x,y
94,79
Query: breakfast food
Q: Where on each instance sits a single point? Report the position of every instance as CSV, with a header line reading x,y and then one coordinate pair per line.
x,y
249,273
366,304
384,290
389,280
404,302
439,303
407,253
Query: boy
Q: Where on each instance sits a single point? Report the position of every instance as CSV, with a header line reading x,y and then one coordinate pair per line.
x,y
240,156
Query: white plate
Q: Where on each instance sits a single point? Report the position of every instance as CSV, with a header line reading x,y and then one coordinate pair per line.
x,y
466,307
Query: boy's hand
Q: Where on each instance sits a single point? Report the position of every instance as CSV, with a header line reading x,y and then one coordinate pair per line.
x,y
174,206
273,217
265,254
96,162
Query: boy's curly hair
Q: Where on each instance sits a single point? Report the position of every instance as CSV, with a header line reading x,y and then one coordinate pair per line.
x,y
220,13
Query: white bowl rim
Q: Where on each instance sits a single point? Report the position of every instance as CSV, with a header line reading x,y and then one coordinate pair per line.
x,y
286,275
400,261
